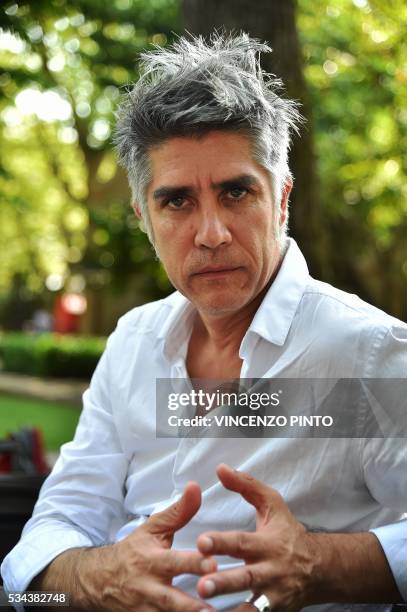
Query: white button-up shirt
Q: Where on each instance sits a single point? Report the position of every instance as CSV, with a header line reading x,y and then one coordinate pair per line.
x,y
115,472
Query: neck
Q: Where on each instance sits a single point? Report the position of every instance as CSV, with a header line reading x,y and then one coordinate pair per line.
x,y
227,331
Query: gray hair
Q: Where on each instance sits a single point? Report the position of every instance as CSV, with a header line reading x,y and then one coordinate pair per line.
x,y
194,87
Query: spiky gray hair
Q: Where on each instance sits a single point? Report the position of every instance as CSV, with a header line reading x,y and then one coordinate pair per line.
x,y
196,86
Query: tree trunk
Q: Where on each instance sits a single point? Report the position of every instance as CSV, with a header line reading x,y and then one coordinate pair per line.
x,y
273,21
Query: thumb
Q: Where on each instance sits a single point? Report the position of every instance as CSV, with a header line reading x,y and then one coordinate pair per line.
x,y
266,500
177,515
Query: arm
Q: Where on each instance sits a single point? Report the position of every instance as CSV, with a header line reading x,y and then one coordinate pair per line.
x,y
65,574
66,544
91,467
378,558
384,461
351,568
293,567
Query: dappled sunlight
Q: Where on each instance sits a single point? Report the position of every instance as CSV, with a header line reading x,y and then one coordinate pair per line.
x,y
64,203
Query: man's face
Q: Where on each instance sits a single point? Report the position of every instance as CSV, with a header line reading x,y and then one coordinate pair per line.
x,y
212,216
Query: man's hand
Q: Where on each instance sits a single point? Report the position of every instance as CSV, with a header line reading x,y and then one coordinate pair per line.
x,y
278,558
136,573
144,564
292,567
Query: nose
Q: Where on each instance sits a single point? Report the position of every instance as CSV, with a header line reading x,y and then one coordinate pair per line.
x,y
212,231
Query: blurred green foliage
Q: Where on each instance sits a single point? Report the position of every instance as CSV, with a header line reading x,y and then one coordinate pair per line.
x,y
50,354
57,422
355,58
64,204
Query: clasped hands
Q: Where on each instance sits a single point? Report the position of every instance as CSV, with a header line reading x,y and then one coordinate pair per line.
x,y
278,556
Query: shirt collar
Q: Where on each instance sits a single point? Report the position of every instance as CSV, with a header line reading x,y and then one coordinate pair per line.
x,y
177,327
275,314
272,320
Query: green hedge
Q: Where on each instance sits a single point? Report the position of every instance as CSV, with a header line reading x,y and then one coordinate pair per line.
x,y
50,354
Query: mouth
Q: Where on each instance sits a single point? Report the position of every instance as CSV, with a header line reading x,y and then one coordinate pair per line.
x,y
215,271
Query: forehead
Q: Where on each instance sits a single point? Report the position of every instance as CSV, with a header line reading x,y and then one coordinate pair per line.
x,y
212,157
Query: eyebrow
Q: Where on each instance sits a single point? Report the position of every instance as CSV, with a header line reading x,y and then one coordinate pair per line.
x,y
246,180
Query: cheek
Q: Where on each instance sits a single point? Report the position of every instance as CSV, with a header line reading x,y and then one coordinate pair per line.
x,y
255,233
166,226
171,246
259,242
174,234
162,233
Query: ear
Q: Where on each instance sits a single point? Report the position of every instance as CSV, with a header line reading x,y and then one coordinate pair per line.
x,y
137,212
288,185
136,209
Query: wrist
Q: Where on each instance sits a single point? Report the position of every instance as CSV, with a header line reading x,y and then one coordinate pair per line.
x,y
70,572
93,578
349,568
323,581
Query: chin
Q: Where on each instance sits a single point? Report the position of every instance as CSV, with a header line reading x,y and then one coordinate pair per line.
x,y
220,305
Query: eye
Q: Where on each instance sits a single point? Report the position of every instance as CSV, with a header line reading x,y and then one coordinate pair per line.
x,y
237,193
174,203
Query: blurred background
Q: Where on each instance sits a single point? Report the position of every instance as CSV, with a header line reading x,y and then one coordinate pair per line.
x,y
72,256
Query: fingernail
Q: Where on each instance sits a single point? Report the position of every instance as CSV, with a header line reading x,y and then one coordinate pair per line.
x,y
209,587
206,543
207,565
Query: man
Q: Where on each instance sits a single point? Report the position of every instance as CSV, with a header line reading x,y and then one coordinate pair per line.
x,y
131,521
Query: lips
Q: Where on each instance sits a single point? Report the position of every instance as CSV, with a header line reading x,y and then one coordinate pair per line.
x,y
215,271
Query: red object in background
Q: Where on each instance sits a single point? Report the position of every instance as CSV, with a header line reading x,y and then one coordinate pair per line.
x,y
5,462
38,456
69,307
23,452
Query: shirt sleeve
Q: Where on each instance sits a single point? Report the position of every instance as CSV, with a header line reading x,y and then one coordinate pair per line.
x,y
82,497
393,540
384,460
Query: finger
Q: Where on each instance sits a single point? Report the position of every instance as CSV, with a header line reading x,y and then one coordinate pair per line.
x,y
171,599
265,499
174,562
239,544
177,515
245,578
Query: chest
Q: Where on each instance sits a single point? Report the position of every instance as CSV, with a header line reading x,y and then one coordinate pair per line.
x,y
203,362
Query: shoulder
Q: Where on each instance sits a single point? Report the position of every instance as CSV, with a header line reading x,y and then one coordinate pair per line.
x,y
143,323
150,316
350,335
335,305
